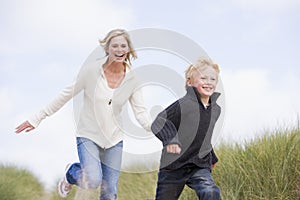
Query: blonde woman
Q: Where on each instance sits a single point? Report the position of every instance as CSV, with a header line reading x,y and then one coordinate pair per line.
x,y
107,84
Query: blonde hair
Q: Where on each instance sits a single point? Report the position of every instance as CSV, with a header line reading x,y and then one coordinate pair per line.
x,y
105,42
200,65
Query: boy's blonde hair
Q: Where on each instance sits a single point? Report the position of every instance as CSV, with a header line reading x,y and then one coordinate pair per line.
x,y
200,65
105,42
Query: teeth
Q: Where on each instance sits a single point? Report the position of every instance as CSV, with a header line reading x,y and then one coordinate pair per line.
x,y
207,88
119,55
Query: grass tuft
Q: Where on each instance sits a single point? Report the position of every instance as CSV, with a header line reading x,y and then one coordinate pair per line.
x,y
17,184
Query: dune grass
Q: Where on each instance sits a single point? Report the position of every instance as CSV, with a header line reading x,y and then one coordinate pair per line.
x,y
262,169
19,184
265,168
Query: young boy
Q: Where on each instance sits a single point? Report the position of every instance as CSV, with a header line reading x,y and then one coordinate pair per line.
x,y
185,129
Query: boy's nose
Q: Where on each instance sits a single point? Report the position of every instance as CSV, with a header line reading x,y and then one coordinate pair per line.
x,y
206,81
209,81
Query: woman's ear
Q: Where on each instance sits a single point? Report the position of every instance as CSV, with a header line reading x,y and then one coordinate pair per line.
x,y
106,50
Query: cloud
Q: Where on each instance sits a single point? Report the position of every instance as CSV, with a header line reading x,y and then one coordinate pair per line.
x,y
268,6
32,25
6,101
256,101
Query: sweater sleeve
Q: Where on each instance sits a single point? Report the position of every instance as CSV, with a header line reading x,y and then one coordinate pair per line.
x,y
140,111
166,124
59,101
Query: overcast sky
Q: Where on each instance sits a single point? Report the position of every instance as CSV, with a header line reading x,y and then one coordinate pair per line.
x,y
45,42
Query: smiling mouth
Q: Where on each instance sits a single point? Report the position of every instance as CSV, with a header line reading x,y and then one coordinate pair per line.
x,y
207,88
119,55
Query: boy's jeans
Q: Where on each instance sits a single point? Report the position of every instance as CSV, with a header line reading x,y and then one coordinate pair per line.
x,y
171,183
97,166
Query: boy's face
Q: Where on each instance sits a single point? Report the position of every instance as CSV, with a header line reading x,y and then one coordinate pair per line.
x,y
205,81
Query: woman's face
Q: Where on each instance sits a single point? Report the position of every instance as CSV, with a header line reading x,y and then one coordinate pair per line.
x,y
117,49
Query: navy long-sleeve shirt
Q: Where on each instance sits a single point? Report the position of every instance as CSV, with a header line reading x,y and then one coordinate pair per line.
x,y
189,124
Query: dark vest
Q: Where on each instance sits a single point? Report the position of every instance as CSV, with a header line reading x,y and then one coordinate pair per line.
x,y
195,125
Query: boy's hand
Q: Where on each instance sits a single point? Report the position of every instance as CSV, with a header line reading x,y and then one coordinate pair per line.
x,y
173,148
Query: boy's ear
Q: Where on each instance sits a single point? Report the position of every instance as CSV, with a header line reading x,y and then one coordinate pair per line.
x,y
188,82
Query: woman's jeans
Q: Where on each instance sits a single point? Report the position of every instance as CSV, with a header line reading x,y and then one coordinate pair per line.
x,y
97,167
171,183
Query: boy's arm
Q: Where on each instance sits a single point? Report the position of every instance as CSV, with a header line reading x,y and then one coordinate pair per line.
x,y
166,124
214,158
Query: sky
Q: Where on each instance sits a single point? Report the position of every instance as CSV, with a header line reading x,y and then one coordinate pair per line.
x,y
44,44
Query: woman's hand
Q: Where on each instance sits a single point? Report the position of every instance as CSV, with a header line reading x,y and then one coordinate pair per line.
x,y
25,126
173,148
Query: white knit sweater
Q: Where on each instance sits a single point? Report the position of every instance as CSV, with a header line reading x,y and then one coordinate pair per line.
x,y
100,114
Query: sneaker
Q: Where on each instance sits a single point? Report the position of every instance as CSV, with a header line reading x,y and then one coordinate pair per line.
x,y
64,187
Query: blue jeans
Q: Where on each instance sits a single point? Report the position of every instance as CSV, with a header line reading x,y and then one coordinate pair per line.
x,y
97,167
171,183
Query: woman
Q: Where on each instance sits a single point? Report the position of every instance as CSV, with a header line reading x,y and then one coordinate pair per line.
x,y
107,84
